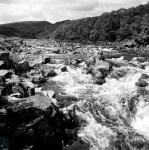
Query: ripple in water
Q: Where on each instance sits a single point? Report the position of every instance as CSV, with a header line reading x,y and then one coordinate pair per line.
x,y
114,116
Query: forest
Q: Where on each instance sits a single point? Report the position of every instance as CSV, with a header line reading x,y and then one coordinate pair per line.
x,y
117,25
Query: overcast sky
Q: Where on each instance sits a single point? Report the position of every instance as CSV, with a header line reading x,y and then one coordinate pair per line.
x,y
58,10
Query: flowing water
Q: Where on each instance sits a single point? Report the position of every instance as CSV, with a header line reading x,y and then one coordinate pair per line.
x,y
113,116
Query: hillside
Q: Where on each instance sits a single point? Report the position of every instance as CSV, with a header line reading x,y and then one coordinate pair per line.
x,y
29,29
114,26
50,29
9,31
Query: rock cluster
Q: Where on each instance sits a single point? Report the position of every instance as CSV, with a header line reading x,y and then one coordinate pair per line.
x,y
30,118
35,112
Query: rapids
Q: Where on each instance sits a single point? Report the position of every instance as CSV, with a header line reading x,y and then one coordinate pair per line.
x,y
112,116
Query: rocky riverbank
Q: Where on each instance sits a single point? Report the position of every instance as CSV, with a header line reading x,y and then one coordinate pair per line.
x,y
65,96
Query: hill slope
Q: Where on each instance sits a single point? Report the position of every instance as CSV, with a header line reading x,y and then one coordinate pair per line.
x,y
114,26
9,31
29,29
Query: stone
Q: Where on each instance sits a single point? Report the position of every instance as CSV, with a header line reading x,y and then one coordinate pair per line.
x,y
144,76
141,83
63,68
30,108
45,136
37,79
3,101
63,96
5,73
78,145
4,56
22,67
102,66
46,60
52,73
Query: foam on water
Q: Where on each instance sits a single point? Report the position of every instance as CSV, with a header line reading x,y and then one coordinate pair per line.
x,y
141,121
96,99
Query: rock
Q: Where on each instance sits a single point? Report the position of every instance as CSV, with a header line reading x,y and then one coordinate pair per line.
x,y
63,96
4,56
3,101
144,76
141,83
13,80
50,93
98,75
5,73
29,108
63,68
22,67
37,79
2,65
46,60
103,66
52,73
34,121
99,81
6,89
116,63
78,145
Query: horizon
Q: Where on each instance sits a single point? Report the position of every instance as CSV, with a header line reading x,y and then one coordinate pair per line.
x,y
53,11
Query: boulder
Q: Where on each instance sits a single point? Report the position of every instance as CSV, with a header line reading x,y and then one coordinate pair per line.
x,y
51,73
66,97
63,68
46,60
144,77
4,56
37,79
2,65
22,67
3,101
5,73
78,145
30,108
141,83
102,66
34,121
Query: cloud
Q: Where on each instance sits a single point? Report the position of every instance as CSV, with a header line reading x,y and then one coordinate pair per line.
x,y
57,10
5,1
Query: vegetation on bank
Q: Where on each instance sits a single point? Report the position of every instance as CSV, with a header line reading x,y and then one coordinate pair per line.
x,y
114,26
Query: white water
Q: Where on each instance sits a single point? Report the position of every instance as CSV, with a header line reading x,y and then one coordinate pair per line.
x,y
104,102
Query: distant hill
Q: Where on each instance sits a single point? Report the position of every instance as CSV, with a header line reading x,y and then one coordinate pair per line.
x,y
28,29
50,29
9,31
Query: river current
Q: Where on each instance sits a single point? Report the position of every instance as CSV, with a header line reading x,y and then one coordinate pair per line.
x,y
112,116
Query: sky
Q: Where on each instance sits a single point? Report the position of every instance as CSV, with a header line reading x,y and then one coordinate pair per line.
x,y
58,10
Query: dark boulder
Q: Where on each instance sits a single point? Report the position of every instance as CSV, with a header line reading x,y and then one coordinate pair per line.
x,y
51,73
4,56
141,83
5,73
34,121
22,67
78,145
63,68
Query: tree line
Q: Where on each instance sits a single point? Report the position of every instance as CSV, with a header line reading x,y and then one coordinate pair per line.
x,y
114,26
